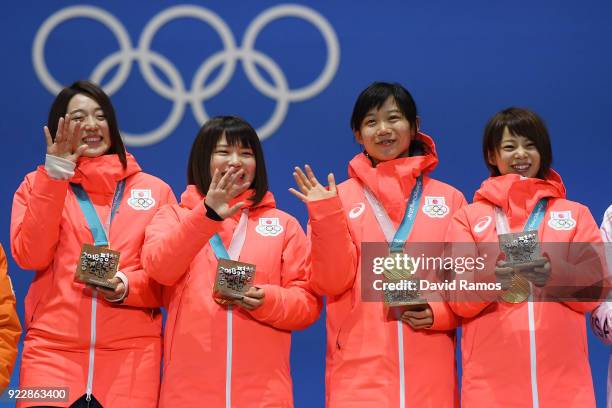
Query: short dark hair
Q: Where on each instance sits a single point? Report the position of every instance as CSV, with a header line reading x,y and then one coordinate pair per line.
x,y
375,95
520,122
88,88
237,131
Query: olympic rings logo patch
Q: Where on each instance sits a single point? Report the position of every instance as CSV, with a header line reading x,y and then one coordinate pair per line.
x,y
141,199
561,220
435,207
197,94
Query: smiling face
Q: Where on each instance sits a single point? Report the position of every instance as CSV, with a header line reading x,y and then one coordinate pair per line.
x,y
516,155
238,157
94,127
385,133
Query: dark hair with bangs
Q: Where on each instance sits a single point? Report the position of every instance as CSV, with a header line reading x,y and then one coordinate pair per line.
x,y
237,131
88,88
520,122
375,95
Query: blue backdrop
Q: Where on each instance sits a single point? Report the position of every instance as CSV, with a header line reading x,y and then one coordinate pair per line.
x,y
294,70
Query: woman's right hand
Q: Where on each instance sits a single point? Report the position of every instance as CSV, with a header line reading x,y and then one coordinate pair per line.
x,y
310,188
66,144
223,189
503,274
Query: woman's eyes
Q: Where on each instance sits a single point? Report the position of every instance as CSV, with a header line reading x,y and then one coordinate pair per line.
x,y
82,118
224,152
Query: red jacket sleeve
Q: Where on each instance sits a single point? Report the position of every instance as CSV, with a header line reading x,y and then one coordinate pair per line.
x,y
459,233
583,266
10,329
333,256
35,220
443,315
292,305
143,290
172,240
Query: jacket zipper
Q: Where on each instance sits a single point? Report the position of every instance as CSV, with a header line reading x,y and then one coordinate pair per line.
x,y
532,353
92,346
228,360
400,358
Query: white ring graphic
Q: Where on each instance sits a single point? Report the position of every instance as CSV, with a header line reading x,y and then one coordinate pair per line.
x,y
200,91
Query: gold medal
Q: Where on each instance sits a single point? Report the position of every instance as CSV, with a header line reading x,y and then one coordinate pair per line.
x,y
519,290
402,285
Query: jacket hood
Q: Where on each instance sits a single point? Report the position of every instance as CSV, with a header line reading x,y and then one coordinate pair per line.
x,y
392,181
191,197
101,174
519,195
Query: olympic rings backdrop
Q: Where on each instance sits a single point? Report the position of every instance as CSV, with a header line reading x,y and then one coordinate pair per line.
x,y
294,71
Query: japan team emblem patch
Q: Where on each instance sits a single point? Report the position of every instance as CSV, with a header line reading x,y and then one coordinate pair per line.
x,y
561,220
269,227
140,199
435,207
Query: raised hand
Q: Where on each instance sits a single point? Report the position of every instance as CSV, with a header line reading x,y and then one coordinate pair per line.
x,y
310,188
223,189
66,144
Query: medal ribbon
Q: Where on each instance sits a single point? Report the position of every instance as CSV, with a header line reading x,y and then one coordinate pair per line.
x,y
399,237
533,222
237,240
100,232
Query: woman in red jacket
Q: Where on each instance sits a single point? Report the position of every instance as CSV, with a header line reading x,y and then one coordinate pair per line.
x,y
225,351
103,348
372,359
518,352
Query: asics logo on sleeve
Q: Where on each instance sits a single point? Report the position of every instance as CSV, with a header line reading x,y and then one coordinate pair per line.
x,y
482,224
357,210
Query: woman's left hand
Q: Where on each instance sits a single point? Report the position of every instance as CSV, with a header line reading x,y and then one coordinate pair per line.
x,y
252,298
537,271
418,316
113,295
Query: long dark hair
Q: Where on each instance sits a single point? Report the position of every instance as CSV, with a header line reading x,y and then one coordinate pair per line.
x,y
88,88
237,131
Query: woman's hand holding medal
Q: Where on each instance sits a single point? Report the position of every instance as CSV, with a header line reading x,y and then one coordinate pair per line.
x,y
310,188
536,271
66,144
252,299
112,295
418,316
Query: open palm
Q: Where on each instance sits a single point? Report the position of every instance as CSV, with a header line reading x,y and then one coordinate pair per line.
x,y
310,188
